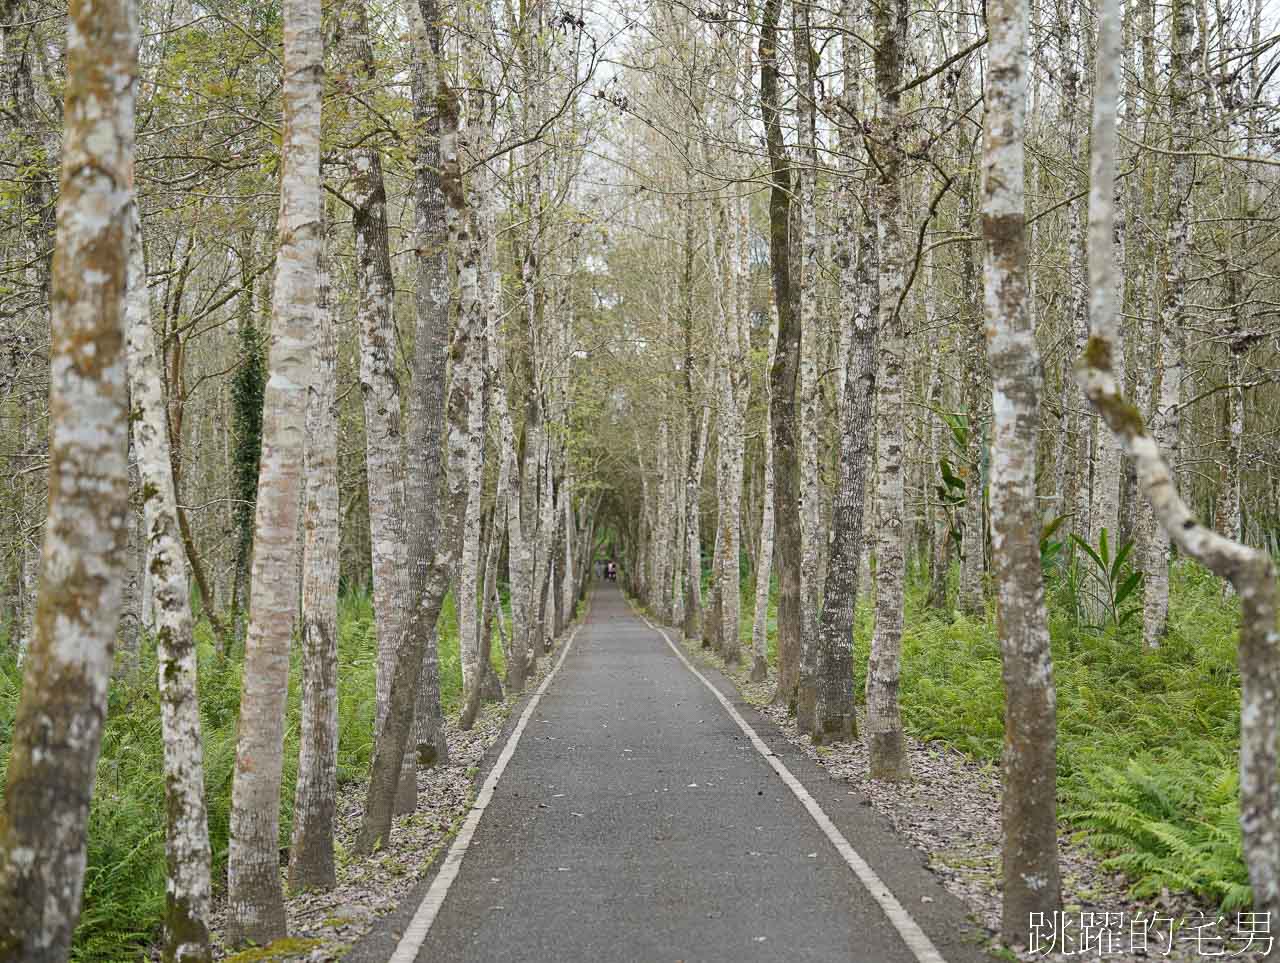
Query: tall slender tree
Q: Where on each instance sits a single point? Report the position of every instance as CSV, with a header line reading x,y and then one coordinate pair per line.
x,y
884,723
57,731
437,186
379,385
783,373
1251,572
311,858
255,899
1029,804
187,851
1166,420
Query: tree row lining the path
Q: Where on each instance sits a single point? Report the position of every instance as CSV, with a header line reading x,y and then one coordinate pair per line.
x,y
698,288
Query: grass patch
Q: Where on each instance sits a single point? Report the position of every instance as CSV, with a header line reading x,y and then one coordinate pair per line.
x,y
278,950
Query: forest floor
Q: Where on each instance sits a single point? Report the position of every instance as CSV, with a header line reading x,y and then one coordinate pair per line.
x,y
950,812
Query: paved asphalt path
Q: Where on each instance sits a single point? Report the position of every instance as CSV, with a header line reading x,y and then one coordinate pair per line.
x,y
636,822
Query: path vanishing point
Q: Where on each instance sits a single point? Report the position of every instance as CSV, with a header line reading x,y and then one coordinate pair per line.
x,y
636,809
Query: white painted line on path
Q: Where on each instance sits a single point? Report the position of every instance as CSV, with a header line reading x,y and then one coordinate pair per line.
x,y
915,938
415,933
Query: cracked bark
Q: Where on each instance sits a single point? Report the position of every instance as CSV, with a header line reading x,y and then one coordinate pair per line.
x,y
782,374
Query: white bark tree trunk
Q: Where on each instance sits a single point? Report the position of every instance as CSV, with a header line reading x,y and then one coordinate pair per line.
x,y
311,862
1029,817
439,501
187,895
517,548
57,730
1166,420
698,419
764,560
472,304
129,633
1252,572
379,383
255,901
888,757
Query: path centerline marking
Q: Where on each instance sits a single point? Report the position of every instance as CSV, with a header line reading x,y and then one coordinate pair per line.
x,y
917,940
415,934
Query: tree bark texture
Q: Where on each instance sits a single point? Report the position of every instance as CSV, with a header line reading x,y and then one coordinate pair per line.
x,y
1028,808
187,852
57,730
888,757
311,858
782,374
255,900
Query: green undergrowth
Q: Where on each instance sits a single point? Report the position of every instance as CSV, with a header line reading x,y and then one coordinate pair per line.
x,y
1147,740
125,875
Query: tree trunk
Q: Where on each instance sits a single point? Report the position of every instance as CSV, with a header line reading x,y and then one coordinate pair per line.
x,y
379,384
1029,816
471,373
971,597
129,632
698,418
1165,423
835,715
1250,571
888,757
437,517
490,688
568,593
764,560
812,535
311,864
971,594
782,374
937,515
732,364
508,497
57,730
187,895
32,157
246,431
255,901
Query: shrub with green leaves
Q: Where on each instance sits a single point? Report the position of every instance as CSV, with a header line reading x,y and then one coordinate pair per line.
x,y
1111,580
